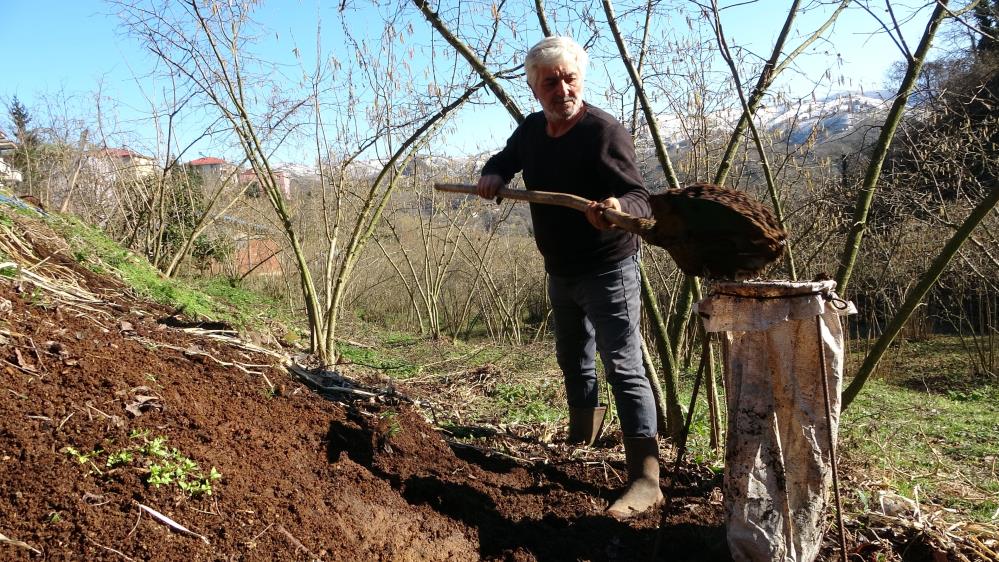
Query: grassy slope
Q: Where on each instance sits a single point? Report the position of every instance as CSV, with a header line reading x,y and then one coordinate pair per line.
x,y
200,299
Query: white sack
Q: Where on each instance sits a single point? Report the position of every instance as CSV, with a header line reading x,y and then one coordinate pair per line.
x,y
778,472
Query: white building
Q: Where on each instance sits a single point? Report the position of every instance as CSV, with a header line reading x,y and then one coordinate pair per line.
x,y
8,175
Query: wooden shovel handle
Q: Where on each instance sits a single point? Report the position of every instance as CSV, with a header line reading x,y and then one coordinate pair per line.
x,y
622,220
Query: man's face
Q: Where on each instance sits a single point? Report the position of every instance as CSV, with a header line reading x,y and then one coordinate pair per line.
x,y
559,88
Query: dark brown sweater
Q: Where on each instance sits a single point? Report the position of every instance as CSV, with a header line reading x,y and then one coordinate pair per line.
x,y
595,160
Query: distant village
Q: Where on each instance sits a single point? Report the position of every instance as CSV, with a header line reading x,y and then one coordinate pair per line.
x,y
256,246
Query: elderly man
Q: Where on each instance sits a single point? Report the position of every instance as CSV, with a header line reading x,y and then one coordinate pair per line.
x,y
573,147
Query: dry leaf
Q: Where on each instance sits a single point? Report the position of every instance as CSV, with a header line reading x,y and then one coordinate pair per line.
x,y
22,362
142,403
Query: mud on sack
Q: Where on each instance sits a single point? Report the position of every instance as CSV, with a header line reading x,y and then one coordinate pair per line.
x,y
778,469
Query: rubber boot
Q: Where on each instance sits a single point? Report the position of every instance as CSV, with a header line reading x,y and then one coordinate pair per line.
x,y
642,457
585,425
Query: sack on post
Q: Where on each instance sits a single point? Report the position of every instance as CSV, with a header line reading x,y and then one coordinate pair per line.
x,y
778,473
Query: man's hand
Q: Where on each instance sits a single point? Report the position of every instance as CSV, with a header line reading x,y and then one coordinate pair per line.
x,y
489,185
595,212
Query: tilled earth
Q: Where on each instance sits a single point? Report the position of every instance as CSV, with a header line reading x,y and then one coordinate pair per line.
x,y
107,416
98,401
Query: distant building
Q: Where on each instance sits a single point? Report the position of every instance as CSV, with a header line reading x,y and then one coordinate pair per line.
x,y
8,174
211,168
281,179
257,256
256,246
119,163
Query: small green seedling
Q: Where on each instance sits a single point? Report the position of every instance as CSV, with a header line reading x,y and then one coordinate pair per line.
x,y
119,458
84,458
394,428
170,466
166,465
156,447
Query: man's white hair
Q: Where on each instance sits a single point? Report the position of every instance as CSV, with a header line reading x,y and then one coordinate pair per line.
x,y
551,51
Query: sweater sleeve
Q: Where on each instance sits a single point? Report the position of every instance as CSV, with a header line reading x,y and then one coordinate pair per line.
x,y
619,171
506,163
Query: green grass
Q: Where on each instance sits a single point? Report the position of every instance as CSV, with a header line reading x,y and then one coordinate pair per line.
x,y
199,299
378,359
936,385
530,401
904,439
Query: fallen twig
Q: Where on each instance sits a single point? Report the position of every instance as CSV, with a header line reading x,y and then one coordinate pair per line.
x,y
298,544
108,548
136,526
191,351
465,357
172,524
234,341
258,535
20,544
19,368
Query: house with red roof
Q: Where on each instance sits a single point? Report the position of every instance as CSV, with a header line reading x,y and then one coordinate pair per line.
x,y
119,163
212,168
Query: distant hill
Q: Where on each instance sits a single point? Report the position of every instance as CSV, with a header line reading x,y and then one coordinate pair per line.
x,y
827,118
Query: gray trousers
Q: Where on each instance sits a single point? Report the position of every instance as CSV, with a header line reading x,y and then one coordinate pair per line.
x,y
602,311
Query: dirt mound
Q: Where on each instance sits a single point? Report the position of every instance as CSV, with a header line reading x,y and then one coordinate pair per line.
x,y
300,476
107,416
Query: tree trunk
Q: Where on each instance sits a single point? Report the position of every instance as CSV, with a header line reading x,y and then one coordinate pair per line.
x,y
866,194
916,294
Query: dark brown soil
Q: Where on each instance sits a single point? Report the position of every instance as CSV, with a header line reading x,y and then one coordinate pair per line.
x,y
302,476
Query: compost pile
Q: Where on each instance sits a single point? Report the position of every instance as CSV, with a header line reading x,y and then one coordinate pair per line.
x,y
122,438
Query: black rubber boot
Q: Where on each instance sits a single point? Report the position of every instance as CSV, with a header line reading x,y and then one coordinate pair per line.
x,y
643,493
585,425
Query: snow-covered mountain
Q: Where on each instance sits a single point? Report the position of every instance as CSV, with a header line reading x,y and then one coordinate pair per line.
x,y
298,170
796,120
826,119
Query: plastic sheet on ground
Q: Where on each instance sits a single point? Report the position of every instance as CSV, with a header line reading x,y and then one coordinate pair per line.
x,y
778,473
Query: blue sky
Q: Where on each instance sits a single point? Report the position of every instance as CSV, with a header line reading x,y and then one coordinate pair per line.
x,y
71,46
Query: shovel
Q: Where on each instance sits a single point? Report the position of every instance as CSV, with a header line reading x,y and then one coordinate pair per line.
x,y
709,231
617,218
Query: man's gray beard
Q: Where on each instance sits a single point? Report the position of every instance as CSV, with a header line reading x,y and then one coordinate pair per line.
x,y
560,116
